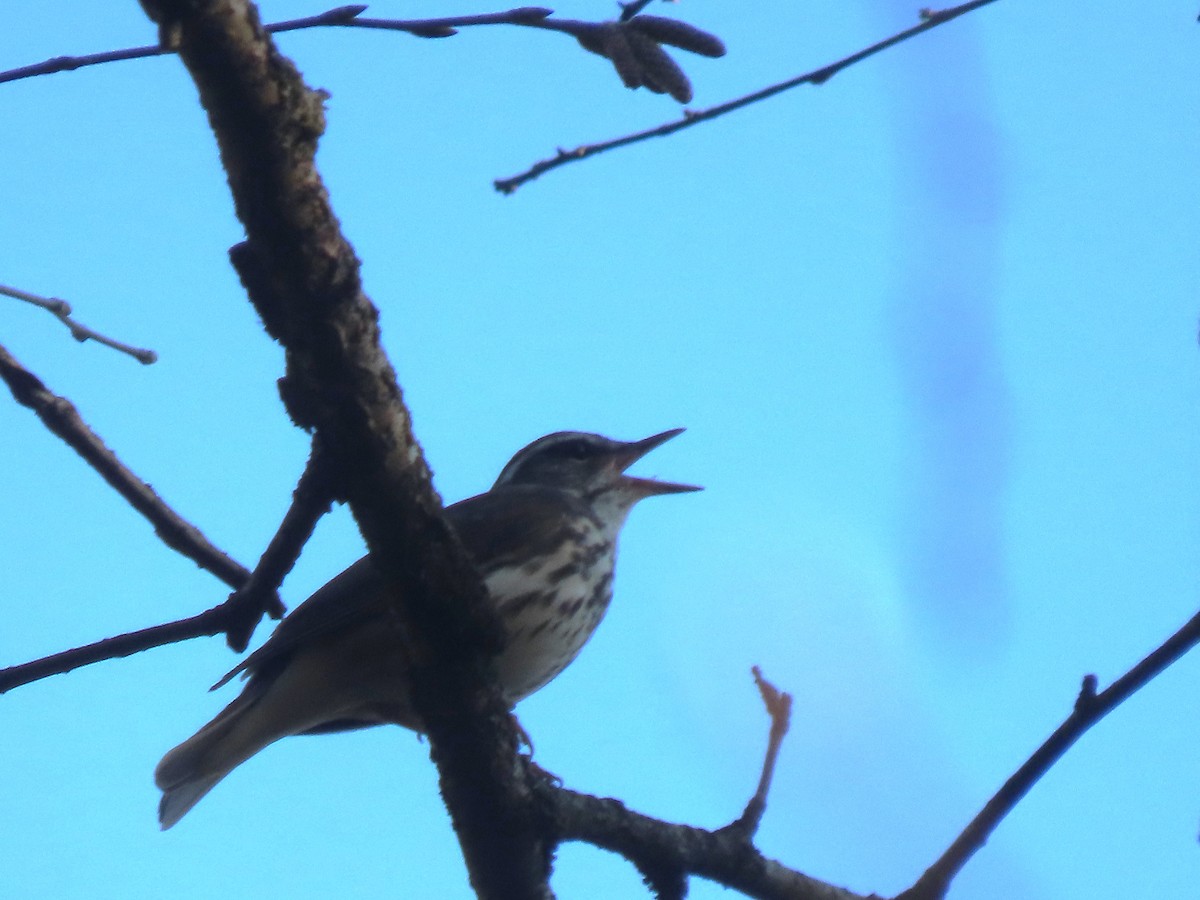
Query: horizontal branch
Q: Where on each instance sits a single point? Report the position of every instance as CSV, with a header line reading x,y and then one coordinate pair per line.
x,y
448,25
721,856
667,853
71,63
632,44
930,19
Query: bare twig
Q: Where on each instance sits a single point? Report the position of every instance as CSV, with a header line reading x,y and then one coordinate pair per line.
x,y
1089,709
930,19
779,708
61,309
310,501
236,617
667,854
447,27
209,622
338,16
654,845
632,43
70,63
63,419
666,876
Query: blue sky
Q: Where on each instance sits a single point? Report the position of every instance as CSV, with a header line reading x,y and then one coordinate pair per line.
x,y
931,327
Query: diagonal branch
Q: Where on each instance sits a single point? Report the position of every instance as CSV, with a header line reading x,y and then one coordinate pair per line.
x,y
1089,709
312,498
62,418
61,310
631,9
236,617
930,19
303,277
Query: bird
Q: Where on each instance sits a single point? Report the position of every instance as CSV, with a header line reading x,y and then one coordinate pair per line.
x,y
543,539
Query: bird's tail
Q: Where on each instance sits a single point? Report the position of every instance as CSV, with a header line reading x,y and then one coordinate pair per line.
x,y
192,769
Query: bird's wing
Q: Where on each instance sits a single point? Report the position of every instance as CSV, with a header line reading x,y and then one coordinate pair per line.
x,y
497,528
508,525
347,598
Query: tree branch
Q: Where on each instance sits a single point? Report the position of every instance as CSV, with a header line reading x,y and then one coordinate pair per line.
x,y
61,310
779,708
448,26
632,43
71,63
303,277
236,616
652,845
209,622
930,19
62,418
1089,709
312,498
666,853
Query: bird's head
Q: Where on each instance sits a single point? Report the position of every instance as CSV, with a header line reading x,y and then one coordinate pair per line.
x,y
591,465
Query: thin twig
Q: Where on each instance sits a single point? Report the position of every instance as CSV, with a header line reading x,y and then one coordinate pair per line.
x,y
236,617
930,19
447,27
667,854
61,310
632,43
779,708
310,501
343,17
1089,709
70,63
209,622
62,418
337,16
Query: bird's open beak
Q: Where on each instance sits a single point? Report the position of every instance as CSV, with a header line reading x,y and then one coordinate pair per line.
x,y
635,450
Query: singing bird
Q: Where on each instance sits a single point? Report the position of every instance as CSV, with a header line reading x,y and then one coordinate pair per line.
x,y
544,541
